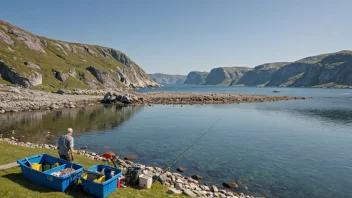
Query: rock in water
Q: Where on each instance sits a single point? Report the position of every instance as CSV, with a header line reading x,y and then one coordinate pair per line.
x,y
197,177
180,169
230,185
107,98
131,157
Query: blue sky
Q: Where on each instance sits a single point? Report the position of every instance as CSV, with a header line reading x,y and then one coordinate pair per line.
x,y
177,37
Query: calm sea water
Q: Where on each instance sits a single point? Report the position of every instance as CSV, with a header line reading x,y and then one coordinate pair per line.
x,y
281,149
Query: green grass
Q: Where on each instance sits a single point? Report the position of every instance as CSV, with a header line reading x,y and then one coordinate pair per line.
x,y
56,59
292,79
14,185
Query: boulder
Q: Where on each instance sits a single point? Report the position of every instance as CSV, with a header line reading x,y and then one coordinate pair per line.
x,y
180,169
103,77
2,111
229,185
197,177
131,157
90,51
7,72
4,37
206,188
162,179
107,98
60,75
179,186
214,189
174,191
28,39
63,91
189,193
32,65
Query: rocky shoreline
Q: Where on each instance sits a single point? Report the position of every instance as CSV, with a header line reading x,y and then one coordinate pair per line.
x,y
200,98
177,183
16,99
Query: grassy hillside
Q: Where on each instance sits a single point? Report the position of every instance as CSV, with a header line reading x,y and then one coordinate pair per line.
x,y
70,59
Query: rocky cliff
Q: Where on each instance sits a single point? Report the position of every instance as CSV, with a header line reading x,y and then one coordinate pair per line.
x,y
167,78
42,63
260,75
196,78
326,70
225,75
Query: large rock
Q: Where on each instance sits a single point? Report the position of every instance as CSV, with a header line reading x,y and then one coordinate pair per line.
x,y
127,98
131,157
30,79
90,51
60,75
103,77
173,191
28,39
190,193
6,39
63,91
230,185
32,65
107,98
214,189
196,78
197,177
181,169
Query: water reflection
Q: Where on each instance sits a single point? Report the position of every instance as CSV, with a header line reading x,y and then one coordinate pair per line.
x,y
45,126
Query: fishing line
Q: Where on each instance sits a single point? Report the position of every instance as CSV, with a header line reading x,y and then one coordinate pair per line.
x,y
187,149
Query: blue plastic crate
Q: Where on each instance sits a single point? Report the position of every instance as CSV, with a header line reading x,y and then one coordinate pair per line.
x,y
105,188
45,178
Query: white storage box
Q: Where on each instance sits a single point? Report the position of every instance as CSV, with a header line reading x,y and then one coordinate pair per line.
x,y
145,181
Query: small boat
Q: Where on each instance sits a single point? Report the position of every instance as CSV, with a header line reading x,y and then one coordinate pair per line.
x,y
276,91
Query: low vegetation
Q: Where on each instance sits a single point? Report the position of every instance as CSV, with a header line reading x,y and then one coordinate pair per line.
x,y
14,185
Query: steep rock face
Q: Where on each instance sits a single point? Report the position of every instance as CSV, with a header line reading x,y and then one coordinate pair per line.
x,y
167,78
65,65
260,75
286,75
103,77
333,69
29,80
225,75
196,78
336,69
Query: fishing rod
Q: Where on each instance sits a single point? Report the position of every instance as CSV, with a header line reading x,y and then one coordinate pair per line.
x,y
187,149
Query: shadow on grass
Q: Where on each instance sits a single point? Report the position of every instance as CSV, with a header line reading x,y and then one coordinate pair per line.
x,y
74,190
